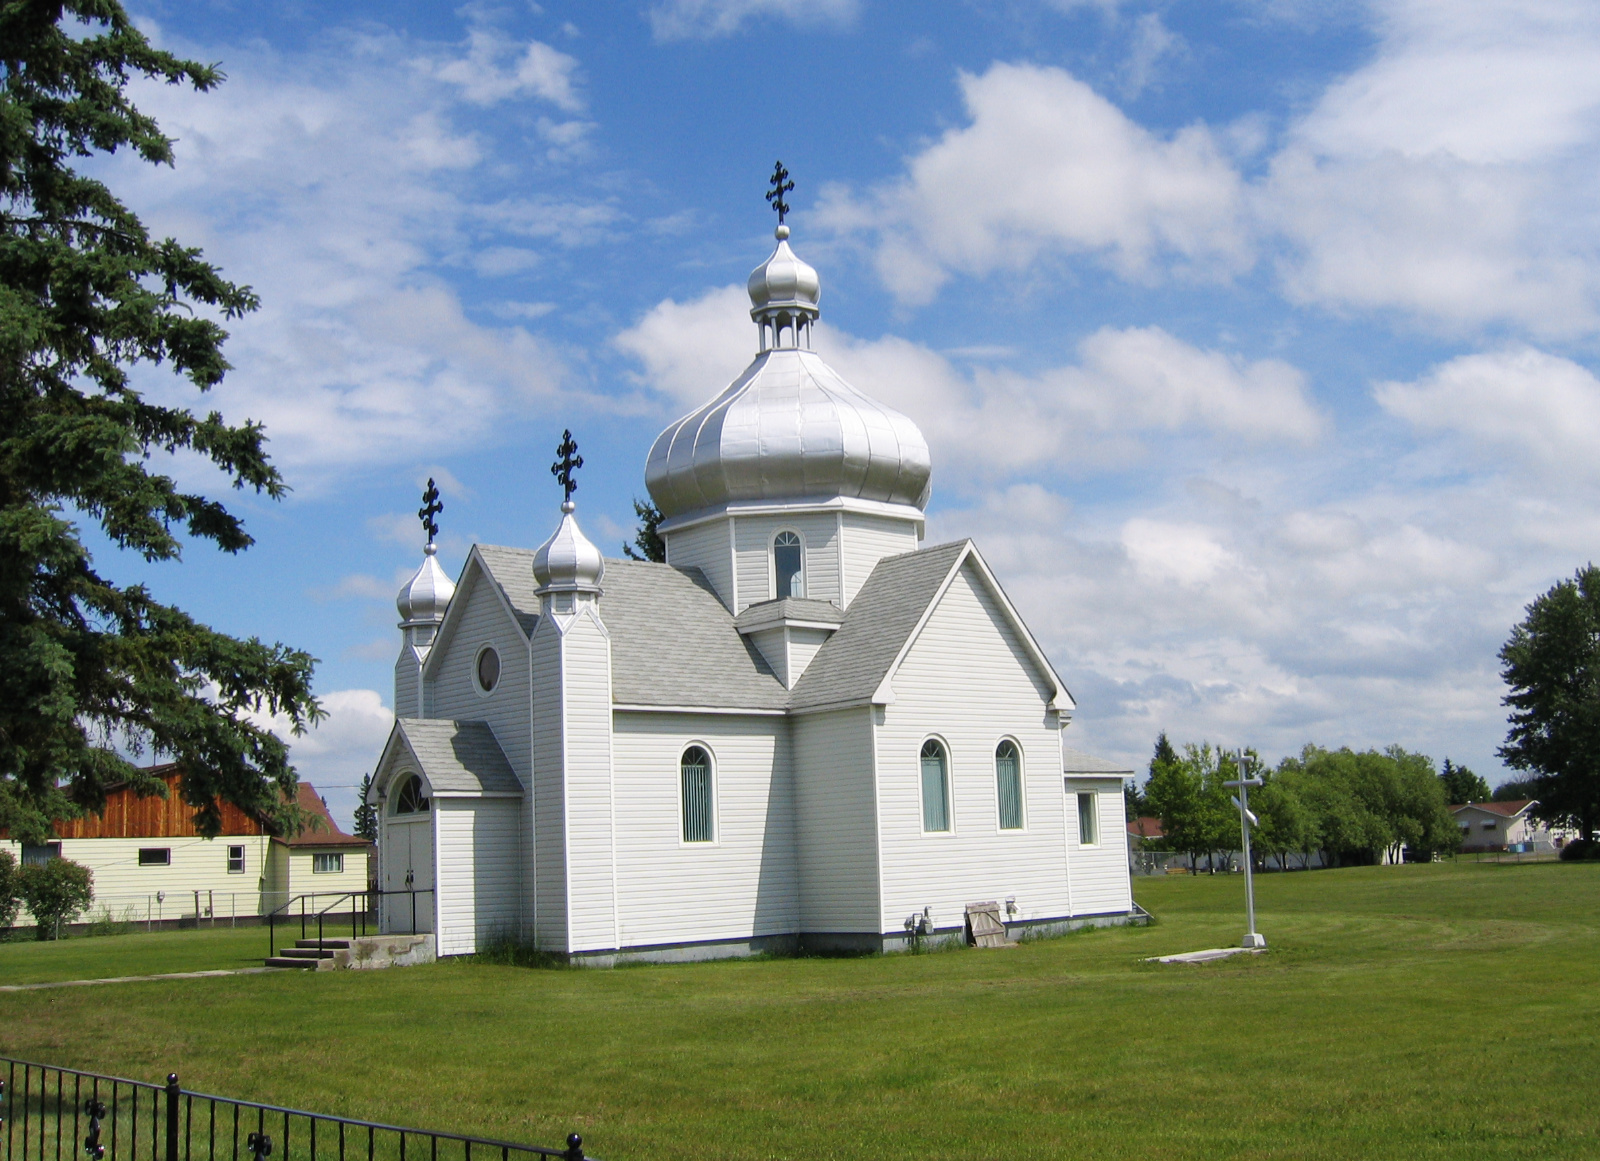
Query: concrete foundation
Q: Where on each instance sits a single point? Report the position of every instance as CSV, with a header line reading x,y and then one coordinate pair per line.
x,y
373,952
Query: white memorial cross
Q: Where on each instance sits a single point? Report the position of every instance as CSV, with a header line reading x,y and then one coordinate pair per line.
x,y
1246,821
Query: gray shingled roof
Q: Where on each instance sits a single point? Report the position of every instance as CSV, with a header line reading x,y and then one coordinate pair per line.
x,y
789,608
512,570
674,643
1077,762
854,661
459,757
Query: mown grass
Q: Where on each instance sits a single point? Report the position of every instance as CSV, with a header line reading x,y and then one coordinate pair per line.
x,y
27,961
1430,1011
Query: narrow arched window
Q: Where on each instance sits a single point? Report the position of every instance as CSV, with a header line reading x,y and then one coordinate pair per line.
x,y
695,777
788,564
935,787
1008,784
410,799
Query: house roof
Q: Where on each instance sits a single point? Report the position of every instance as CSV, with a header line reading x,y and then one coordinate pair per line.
x,y
1077,762
854,661
328,833
458,758
789,609
1145,827
512,570
1506,809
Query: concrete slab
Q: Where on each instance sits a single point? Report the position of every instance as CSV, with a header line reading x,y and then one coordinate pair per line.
x,y
250,971
1205,956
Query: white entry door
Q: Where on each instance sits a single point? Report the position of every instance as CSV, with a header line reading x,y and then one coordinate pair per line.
x,y
408,867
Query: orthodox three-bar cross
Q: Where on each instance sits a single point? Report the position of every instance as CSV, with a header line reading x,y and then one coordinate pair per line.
x,y
431,507
569,462
780,186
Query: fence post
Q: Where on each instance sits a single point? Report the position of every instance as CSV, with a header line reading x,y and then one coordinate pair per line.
x,y
174,1095
574,1150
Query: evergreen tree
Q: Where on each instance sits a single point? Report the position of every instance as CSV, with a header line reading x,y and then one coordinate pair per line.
x,y
1462,785
647,543
85,295
366,813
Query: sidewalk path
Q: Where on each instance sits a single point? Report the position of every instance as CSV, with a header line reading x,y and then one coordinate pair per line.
x,y
250,971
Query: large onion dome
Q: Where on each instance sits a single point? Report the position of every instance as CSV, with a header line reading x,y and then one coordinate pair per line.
x,y
789,427
568,562
427,594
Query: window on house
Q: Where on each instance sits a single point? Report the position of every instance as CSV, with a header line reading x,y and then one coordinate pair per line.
x,y
488,670
410,800
695,776
38,854
935,787
1008,785
327,864
155,856
235,860
788,563
1088,819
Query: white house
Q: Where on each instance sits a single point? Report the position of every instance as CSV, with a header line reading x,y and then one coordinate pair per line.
x,y
1494,826
806,728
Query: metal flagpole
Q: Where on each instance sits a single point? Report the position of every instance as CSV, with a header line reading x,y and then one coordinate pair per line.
x,y
1246,820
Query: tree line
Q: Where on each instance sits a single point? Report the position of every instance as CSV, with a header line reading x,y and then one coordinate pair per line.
x,y
1349,808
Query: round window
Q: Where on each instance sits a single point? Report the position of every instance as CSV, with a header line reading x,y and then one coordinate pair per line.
x,y
488,670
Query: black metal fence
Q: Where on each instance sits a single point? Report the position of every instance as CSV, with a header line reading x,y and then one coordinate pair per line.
x,y
59,1114
328,913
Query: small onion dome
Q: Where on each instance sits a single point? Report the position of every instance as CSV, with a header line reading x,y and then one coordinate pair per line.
x,y
789,428
427,594
783,283
568,562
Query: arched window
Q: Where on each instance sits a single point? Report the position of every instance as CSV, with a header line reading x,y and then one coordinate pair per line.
x,y
788,564
695,779
935,787
488,671
1008,784
410,798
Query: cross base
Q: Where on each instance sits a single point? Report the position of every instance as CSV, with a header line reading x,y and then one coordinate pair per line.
x,y
1254,939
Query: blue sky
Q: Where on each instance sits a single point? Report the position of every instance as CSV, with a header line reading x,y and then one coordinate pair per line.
x,y
1255,342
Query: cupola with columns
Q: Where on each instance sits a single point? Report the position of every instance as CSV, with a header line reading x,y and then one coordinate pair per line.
x,y
790,484
422,604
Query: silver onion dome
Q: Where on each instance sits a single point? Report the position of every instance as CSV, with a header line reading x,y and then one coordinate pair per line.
x,y
427,594
568,562
789,427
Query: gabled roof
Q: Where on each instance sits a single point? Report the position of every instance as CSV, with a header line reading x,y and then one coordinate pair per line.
x,y
854,661
1077,762
1505,809
1145,827
459,759
324,832
512,570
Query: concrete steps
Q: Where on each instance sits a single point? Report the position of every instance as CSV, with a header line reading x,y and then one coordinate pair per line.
x,y
306,953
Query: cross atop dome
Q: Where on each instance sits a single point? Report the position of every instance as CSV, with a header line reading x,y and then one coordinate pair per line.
x,y
783,290
780,186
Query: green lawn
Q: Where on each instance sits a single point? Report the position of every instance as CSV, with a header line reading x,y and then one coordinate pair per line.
x,y
104,957
1433,1011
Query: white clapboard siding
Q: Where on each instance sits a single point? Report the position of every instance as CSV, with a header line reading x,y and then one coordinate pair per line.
x,y
125,890
969,680
836,823
819,536
452,689
743,883
548,800
1100,882
407,683
866,541
705,547
477,849
586,678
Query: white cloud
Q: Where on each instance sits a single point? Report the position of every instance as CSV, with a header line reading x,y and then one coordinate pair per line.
x,y
1543,409
683,19
1048,166
1152,41
341,196
535,69
1126,383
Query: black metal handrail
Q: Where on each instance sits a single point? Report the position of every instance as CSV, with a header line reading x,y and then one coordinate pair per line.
x,y
363,906
34,1126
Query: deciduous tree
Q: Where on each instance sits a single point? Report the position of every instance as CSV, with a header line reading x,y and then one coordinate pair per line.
x,y
56,892
88,667
1552,665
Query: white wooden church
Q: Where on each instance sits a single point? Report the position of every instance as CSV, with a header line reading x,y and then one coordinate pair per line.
x,y
805,729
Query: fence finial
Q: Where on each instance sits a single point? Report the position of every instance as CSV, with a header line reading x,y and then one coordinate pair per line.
x,y
574,1148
